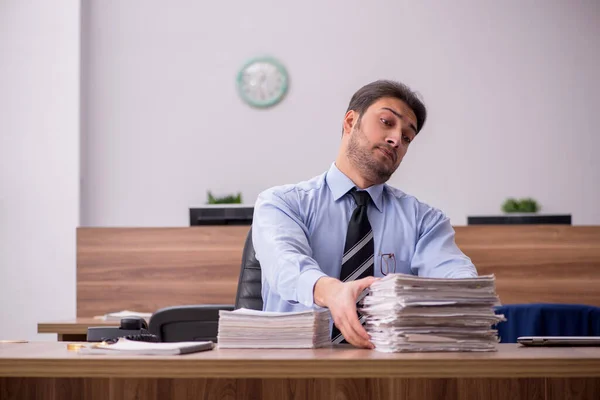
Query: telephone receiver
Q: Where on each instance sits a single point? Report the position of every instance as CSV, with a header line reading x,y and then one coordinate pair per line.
x,y
132,328
133,323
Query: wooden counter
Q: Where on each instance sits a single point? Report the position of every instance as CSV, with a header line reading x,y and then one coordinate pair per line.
x,y
74,330
145,269
46,370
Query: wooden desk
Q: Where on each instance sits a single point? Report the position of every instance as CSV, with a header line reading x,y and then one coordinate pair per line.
x,y
48,371
145,269
73,331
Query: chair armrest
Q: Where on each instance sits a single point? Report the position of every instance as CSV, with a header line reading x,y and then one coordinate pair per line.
x,y
187,323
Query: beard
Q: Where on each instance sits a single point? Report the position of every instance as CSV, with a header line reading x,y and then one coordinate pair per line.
x,y
360,155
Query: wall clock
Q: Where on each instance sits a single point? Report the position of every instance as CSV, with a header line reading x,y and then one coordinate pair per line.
x,y
262,82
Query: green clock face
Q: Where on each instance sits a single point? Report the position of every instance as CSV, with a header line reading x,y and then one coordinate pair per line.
x,y
262,82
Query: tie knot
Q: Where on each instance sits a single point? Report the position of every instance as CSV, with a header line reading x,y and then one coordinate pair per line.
x,y
361,198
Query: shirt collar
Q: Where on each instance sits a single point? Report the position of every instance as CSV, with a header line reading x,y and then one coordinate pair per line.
x,y
340,184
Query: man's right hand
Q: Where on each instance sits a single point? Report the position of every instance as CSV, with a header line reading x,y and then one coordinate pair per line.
x,y
340,298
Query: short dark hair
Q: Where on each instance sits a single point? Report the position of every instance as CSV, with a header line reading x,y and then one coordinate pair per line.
x,y
370,93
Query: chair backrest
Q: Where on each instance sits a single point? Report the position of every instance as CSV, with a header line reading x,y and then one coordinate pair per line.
x,y
249,291
547,319
187,323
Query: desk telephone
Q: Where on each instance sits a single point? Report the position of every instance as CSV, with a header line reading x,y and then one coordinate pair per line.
x,y
132,328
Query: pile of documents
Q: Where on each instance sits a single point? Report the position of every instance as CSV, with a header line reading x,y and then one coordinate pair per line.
x,y
129,347
405,313
246,329
117,316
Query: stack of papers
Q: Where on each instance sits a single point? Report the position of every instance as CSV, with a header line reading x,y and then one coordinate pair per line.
x,y
247,329
117,316
405,313
129,347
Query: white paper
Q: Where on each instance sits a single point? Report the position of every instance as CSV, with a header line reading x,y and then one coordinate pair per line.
x,y
117,316
258,313
131,347
245,329
406,313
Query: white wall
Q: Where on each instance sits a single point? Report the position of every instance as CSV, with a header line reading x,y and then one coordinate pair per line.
x,y
512,89
39,163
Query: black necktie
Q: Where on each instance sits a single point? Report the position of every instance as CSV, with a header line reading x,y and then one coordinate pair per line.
x,y
357,262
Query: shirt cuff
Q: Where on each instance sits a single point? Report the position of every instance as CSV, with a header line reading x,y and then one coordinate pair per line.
x,y
463,272
306,286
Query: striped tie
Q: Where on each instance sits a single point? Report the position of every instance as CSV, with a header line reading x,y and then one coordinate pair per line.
x,y
359,250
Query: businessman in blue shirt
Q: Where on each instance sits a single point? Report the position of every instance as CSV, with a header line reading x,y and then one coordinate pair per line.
x,y
301,232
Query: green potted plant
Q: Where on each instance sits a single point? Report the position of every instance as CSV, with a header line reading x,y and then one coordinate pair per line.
x,y
523,211
525,205
229,199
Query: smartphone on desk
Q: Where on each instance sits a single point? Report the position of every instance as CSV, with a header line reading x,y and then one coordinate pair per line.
x,y
550,341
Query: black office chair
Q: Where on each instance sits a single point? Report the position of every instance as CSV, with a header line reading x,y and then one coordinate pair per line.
x,y
547,319
249,291
201,322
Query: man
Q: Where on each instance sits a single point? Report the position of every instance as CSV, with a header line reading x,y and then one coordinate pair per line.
x,y
322,242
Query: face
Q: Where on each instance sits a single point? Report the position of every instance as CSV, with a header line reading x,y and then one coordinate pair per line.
x,y
379,138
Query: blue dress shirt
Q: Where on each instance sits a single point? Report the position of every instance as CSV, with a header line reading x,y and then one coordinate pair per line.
x,y
299,231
